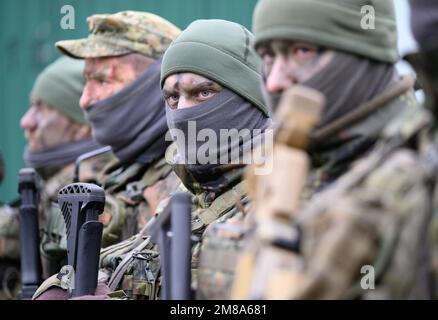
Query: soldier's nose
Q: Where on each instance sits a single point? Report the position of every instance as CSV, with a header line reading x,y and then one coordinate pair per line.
x,y
183,103
278,80
86,99
28,121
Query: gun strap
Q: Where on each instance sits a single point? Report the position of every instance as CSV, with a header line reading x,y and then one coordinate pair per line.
x,y
223,203
117,275
124,264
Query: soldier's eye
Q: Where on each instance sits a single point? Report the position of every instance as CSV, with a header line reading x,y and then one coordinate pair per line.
x,y
206,94
172,100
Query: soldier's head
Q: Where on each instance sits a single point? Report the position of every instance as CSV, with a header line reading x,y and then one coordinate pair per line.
x,y
209,56
54,116
122,98
210,78
328,45
119,48
424,21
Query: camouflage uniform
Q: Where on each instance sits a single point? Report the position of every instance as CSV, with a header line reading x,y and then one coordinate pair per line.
x,y
133,265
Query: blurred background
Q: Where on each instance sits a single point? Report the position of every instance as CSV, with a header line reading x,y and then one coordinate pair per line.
x,y
29,29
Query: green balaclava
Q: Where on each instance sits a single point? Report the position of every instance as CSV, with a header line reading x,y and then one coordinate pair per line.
x,y
231,60
60,85
343,25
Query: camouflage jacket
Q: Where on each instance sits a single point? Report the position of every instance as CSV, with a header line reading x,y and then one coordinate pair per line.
x,y
365,234
132,194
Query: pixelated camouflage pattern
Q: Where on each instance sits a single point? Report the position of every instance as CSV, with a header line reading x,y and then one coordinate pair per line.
x,y
221,247
132,194
122,33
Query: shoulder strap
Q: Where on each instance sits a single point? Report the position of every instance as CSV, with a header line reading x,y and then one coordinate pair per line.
x,y
53,281
223,203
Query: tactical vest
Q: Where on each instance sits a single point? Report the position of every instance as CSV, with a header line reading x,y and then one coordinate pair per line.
x,y
134,266
378,225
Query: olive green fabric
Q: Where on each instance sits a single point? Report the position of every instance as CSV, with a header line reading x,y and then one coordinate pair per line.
x,y
60,85
336,24
231,60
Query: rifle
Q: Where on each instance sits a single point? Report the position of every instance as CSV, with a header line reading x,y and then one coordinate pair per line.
x,y
81,204
262,268
172,232
28,187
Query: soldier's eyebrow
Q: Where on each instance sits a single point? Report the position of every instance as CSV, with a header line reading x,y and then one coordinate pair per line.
x,y
167,92
96,72
205,85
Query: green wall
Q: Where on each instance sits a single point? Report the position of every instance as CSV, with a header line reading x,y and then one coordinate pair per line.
x,y
29,29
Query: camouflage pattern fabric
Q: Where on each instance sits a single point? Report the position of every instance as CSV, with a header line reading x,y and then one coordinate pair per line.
x,y
221,247
122,33
135,262
382,211
380,220
132,194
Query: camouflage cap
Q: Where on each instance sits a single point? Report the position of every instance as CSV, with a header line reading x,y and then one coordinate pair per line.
x,y
122,33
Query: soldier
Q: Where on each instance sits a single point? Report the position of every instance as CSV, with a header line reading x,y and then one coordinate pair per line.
x,y
359,228
123,102
216,81
424,25
217,96
57,134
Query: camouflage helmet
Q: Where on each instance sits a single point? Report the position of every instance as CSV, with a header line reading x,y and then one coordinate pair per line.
x,y
122,33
